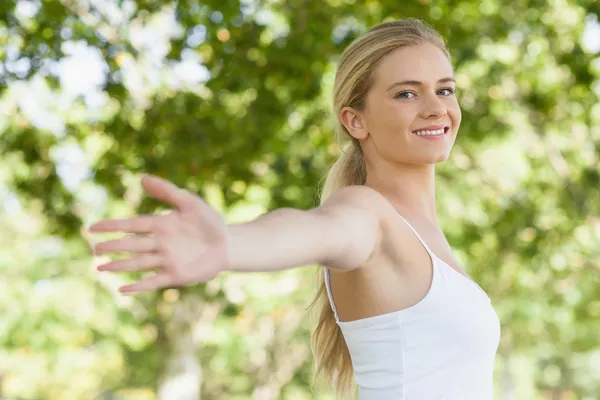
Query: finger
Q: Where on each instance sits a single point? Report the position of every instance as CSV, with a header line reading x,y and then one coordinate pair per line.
x,y
140,224
140,263
133,244
165,191
158,281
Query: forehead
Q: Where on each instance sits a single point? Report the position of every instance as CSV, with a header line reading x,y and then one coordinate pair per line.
x,y
423,62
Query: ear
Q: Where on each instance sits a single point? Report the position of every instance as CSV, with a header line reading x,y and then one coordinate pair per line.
x,y
354,123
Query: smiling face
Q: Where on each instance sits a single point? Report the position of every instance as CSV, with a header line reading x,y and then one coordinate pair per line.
x,y
412,89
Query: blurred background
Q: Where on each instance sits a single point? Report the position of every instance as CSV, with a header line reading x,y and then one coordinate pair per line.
x,y
231,99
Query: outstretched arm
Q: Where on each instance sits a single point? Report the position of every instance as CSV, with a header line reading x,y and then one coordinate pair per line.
x,y
341,234
193,244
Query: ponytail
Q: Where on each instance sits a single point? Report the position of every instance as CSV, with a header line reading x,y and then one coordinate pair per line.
x,y
327,340
348,170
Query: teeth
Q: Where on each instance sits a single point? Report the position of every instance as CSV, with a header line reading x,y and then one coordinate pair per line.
x,y
436,132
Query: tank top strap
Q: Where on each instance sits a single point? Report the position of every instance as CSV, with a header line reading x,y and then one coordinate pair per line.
x,y
329,295
431,254
326,270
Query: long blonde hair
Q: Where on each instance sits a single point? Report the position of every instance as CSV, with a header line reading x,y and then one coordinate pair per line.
x,y
353,80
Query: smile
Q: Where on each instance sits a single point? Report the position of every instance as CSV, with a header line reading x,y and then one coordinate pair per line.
x,y
432,134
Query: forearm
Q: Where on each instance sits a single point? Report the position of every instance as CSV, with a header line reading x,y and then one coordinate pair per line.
x,y
281,239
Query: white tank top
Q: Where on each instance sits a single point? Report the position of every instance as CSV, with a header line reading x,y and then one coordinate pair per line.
x,y
442,348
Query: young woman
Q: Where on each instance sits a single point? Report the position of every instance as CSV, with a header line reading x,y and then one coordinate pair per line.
x,y
401,318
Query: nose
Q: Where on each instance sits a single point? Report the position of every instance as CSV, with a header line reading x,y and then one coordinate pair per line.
x,y
433,107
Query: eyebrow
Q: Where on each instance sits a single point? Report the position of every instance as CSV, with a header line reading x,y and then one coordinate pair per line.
x,y
419,83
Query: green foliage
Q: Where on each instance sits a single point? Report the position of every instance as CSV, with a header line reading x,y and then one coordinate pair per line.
x,y
519,197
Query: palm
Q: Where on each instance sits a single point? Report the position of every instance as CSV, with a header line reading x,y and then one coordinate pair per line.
x,y
187,246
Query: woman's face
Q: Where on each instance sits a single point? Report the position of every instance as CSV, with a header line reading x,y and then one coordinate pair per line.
x,y
412,91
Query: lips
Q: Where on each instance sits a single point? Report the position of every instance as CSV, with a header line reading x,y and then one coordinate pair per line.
x,y
433,128
432,133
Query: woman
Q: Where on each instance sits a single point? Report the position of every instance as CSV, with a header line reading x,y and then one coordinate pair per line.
x,y
401,317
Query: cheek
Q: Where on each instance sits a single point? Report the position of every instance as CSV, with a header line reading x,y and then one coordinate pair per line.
x,y
455,116
456,120
455,112
397,116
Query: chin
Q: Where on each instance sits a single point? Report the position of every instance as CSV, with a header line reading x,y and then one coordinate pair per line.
x,y
437,158
442,158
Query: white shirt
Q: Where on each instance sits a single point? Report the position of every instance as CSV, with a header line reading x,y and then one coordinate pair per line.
x,y
442,348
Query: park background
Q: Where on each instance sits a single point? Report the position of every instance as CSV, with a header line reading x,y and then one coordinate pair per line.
x,y
231,99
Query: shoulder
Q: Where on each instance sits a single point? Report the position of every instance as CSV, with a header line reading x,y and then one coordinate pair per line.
x,y
352,201
360,196
357,216
396,240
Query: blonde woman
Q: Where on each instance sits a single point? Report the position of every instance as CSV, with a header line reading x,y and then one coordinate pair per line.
x,y
398,316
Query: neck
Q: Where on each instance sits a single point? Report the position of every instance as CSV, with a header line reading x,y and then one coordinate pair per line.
x,y
407,187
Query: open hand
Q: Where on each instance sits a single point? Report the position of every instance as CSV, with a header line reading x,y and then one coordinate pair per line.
x,y
186,246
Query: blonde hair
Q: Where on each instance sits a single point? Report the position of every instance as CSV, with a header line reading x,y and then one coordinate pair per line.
x,y
353,80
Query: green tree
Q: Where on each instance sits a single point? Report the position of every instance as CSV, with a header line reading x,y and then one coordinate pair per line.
x,y
231,100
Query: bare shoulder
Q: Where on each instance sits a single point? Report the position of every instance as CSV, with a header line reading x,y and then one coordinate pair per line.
x,y
359,196
362,200
362,217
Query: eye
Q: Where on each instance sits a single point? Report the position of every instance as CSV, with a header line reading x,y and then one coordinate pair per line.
x,y
400,95
450,90
403,95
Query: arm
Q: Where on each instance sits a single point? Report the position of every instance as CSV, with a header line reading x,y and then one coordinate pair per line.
x,y
341,234
193,244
